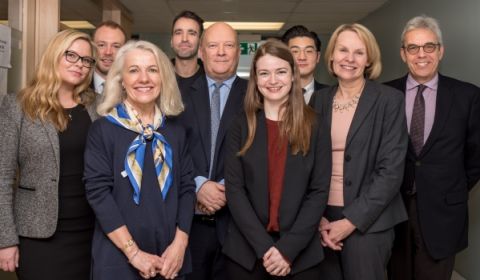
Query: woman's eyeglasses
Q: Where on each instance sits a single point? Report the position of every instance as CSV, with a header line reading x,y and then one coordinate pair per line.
x,y
73,57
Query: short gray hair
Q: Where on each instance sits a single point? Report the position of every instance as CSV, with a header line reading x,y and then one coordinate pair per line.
x,y
425,22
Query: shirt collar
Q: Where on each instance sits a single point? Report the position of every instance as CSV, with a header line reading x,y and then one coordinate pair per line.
x,y
310,86
228,82
97,81
432,84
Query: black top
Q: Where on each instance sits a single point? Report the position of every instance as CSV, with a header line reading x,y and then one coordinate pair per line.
x,y
74,211
185,83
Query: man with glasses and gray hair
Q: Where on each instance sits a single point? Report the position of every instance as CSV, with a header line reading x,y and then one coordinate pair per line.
x,y
443,159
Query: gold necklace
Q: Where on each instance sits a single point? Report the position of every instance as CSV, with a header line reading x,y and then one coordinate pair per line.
x,y
337,107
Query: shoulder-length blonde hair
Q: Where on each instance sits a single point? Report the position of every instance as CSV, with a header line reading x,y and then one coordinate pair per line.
x,y
169,101
374,61
39,100
297,119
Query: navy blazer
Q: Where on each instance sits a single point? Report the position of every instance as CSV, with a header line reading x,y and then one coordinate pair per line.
x,y
304,197
111,196
448,166
196,120
374,156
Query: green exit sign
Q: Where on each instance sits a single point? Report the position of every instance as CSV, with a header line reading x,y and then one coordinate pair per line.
x,y
247,48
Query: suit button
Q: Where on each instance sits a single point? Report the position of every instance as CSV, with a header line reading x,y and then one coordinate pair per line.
x,y
348,183
53,180
348,158
418,163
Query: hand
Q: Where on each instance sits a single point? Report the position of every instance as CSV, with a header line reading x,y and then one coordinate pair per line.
x,y
212,196
275,263
338,230
173,256
147,264
9,258
325,240
203,209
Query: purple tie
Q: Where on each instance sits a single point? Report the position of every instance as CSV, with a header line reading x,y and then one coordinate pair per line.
x,y
417,125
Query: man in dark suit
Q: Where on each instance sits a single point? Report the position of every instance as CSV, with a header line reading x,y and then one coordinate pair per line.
x,y
443,159
108,37
306,49
212,102
187,28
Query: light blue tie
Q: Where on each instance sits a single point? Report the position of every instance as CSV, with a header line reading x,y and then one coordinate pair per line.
x,y
214,123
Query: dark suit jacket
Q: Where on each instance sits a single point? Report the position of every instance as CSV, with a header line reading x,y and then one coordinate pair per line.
x,y
304,197
110,195
374,159
318,86
196,120
448,166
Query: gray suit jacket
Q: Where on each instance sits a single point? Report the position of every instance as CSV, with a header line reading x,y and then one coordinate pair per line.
x,y
374,156
32,149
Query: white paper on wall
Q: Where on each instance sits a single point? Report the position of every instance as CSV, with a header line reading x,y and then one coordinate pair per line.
x,y
5,46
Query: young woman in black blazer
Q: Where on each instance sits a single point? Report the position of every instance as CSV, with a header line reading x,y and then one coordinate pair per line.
x,y
277,175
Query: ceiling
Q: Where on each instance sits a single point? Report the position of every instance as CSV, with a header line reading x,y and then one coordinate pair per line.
x,y
155,16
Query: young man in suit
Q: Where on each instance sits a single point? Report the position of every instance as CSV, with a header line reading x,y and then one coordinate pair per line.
x,y
187,28
443,159
108,37
306,49
212,102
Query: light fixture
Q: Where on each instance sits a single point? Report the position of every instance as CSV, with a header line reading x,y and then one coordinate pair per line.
x,y
237,25
78,24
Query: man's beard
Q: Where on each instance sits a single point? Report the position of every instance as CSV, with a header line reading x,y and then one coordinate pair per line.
x,y
186,56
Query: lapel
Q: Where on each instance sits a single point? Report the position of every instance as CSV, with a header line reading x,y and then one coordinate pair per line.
x,y
260,155
52,135
401,85
235,99
442,111
367,100
201,110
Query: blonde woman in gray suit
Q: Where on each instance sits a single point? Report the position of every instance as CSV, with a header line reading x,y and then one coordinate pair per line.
x,y
47,226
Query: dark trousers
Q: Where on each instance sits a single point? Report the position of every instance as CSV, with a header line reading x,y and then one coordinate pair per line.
x,y
206,251
235,271
363,256
410,259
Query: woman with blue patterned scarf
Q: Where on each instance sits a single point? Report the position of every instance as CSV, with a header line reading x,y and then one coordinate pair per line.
x,y
138,174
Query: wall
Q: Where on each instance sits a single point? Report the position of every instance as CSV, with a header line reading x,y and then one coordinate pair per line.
x,y
459,22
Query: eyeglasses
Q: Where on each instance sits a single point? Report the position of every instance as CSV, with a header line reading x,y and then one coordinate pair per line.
x,y
73,57
428,48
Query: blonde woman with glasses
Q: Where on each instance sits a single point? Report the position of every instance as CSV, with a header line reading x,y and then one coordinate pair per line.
x,y
47,226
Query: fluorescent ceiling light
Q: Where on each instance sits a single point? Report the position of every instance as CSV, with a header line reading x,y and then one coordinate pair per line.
x,y
78,24
237,25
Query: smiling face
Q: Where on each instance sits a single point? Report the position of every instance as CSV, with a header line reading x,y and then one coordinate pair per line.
x,y
220,51
423,66
306,55
141,78
185,38
73,74
274,79
349,58
108,40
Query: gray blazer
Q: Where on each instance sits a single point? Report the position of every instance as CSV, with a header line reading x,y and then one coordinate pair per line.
x,y
32,149
374,157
